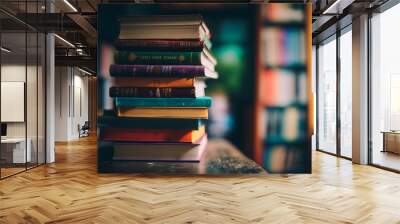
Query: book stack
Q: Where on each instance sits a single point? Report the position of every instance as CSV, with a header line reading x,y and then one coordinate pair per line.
x,y
158,87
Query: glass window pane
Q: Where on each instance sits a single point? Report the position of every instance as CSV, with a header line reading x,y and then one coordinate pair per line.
x,y
31,97
385,116
327,96
346,94
14,153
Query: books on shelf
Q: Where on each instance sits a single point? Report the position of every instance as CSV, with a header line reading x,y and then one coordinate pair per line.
x,y
283,13
283,87
285,125
158,86
302,95
283,92
283,47
279,87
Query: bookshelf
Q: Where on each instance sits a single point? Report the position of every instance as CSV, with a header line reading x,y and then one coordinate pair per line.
x,y
283,110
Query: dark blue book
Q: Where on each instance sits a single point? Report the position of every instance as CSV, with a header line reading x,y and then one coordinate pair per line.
x,y
150,123
162,102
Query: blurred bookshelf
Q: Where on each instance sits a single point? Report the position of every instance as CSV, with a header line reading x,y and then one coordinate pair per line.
x,y
263,96
282,110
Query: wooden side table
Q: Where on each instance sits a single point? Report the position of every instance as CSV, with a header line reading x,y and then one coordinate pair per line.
x,y
391,141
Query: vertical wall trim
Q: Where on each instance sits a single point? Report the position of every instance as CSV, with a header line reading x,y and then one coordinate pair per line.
x,y
26,87
50,92
317,97
370,154
37,89
338,98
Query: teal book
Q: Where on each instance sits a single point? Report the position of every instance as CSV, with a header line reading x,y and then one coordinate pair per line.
x,y
163,102
149,123
157,58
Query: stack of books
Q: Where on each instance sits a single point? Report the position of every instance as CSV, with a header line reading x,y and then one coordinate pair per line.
x,y
158,88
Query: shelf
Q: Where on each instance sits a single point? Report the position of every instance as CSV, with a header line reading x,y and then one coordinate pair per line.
x,y
294,67
281,141
299,25
298,105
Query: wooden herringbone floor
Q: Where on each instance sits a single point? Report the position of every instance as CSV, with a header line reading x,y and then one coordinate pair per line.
x,y
70,191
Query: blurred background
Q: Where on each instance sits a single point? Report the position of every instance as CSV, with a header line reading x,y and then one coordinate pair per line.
x,y
260,100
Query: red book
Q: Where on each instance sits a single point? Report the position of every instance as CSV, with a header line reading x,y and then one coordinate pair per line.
x,y
151,135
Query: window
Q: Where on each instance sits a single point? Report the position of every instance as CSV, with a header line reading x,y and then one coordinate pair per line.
x,y
327,96
22,101
346,93
385,89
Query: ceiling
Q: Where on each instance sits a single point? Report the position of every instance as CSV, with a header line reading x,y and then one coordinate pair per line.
x,y
75,21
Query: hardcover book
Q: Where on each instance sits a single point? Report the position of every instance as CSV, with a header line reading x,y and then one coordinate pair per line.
x,y
164,112
179,152
204,58
190,92
156,82
176,71
164,27
151,135
149,123
163,102
160,45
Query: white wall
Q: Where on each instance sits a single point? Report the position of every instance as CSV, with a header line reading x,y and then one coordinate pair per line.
x,y
13,73
9,73
33,127
71,102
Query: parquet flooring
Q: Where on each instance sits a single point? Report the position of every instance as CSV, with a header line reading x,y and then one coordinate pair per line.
x,y
71,191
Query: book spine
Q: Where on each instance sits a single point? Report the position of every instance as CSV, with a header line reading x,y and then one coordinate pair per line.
x,y
138,135
151,92
160,102
157,58
156,70
152,82
159,45
148,123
